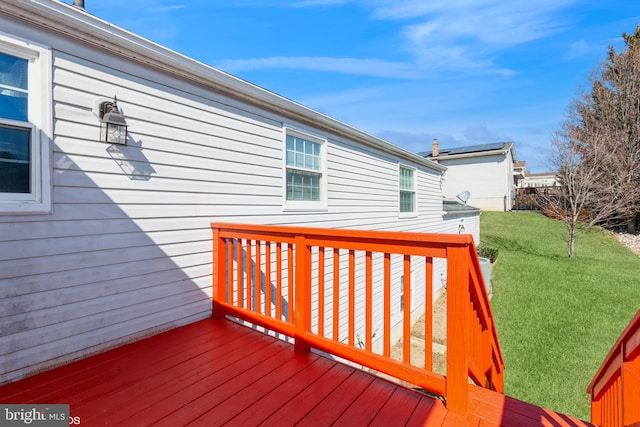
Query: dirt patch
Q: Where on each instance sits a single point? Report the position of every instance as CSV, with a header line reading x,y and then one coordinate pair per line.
x,y
438,341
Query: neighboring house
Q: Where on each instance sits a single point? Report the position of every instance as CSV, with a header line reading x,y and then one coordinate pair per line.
x,y
532,187
544,179
486,171
104,243
520,172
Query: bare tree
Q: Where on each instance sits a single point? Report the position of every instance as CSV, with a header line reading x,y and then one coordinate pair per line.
x,y
597,153
598,190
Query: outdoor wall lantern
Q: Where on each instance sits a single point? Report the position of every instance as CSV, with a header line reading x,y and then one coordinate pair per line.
x,y
113,126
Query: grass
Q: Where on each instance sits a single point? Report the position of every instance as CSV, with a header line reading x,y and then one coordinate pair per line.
x,y
557,318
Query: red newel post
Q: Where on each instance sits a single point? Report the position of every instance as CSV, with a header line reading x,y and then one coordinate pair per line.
x,y
219,271
457,300
302,294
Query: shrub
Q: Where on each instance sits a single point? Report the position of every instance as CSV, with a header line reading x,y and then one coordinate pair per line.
x,y
488,251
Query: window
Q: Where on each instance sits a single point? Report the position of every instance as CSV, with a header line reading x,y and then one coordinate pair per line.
x,y
304,171
14,140
407,190
25,126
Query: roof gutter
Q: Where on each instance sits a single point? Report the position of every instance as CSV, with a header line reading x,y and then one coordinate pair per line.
x,y
76,23
463,211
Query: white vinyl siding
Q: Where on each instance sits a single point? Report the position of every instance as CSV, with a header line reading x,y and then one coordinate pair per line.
x,y
25,123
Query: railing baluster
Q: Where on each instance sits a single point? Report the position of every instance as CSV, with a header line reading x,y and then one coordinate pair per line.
x,y
336,294
229,295
258,279
428,317
406,327
240,272
352,297
386,352
368,301
279,281
267,279
290,281
249,266
321,291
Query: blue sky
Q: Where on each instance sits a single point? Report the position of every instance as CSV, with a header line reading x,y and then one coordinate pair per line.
x,y
463,71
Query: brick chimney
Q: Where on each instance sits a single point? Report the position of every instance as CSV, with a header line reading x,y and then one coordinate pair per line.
x,y
435,148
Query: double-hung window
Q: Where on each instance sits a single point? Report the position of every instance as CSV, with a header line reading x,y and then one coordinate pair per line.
x,y
25,126
305,183
407,190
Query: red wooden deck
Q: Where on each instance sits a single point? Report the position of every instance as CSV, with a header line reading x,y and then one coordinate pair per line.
x,y
216,372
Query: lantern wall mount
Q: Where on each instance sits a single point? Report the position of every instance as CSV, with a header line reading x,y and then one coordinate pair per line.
x,y
113,126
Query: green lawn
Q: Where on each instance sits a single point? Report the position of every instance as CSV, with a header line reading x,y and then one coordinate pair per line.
x,y
557,318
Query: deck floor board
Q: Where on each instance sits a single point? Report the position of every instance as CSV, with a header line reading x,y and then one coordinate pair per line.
x,y
281,395
217,372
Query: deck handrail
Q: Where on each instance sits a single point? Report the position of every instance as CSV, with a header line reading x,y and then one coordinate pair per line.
x,y
312,284
615,388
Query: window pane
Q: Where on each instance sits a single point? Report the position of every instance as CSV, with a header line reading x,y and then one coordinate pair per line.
x,y
302,153
407,201
13,87
303,185
406,179
13,71
14,160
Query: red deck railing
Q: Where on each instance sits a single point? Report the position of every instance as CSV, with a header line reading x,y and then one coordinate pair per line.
x,y
326,288
615,389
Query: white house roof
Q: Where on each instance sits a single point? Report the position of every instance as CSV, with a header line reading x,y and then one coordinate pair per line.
x,y
455,206
78,24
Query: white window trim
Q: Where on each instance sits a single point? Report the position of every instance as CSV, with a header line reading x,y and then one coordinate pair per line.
x,y
415,193
306,205
40,117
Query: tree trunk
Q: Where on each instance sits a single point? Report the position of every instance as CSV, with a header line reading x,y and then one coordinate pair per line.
x,y
571,239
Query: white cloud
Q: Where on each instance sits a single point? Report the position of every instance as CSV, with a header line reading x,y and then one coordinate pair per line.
x,y
579,48
469,35
291,4
438,35
480,133
356,66
169,8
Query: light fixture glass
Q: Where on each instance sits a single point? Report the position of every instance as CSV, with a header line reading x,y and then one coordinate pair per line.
x,y
113,126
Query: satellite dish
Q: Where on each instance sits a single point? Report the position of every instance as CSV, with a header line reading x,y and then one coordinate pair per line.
x,y
464,196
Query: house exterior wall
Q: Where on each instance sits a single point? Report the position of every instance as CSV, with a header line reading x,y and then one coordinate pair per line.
x,y
488,178
125,251
463,224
